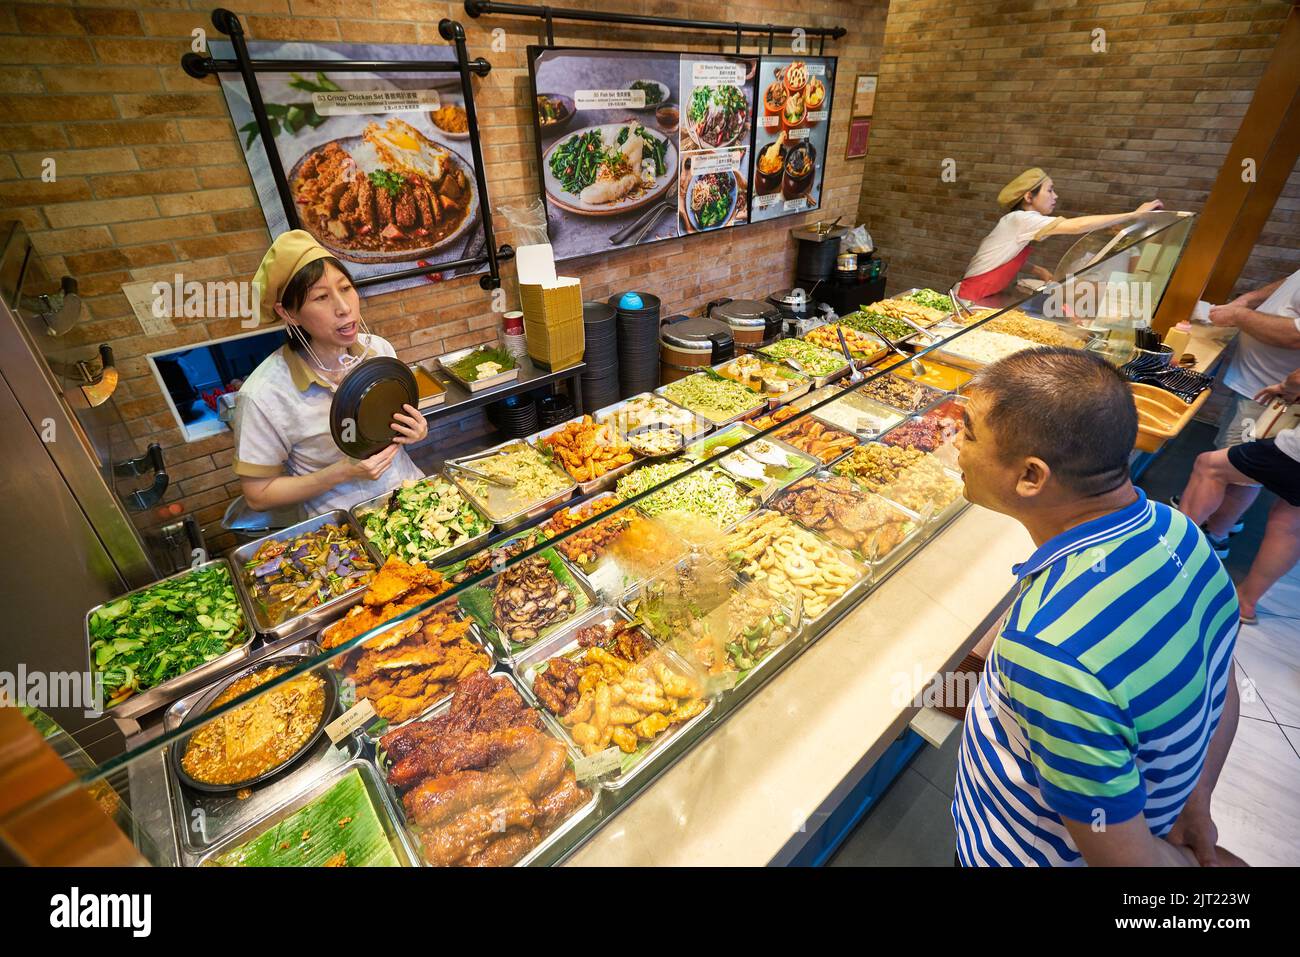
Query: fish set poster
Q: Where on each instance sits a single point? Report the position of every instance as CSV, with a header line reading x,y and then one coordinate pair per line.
x,y
637,146
380,166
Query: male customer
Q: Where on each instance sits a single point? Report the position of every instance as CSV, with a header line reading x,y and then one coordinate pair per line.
x,y
1267,350
1108,701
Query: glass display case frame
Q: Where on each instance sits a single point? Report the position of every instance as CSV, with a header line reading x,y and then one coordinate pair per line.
x,y
166,821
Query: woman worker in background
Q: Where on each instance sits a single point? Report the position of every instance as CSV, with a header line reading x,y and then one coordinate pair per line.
x,y
284,452
1028,200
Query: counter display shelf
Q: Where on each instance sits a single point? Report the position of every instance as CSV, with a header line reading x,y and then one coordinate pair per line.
x,y
681,739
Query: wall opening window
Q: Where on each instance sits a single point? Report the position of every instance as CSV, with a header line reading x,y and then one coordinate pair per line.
x,y
195,377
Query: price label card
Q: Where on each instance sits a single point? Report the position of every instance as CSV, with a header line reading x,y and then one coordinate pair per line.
x,y
762,202
817,116
346,102
794,205
717,73
356,717
802,133
608,99
720,162
771,122
598,764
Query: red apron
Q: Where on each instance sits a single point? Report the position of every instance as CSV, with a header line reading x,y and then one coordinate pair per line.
x,y
994,281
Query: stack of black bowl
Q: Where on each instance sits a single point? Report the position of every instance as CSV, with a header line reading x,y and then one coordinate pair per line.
x,y
515,416
554,409
638,343
600,377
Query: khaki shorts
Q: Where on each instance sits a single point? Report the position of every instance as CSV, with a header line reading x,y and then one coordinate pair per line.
x,y
1234,419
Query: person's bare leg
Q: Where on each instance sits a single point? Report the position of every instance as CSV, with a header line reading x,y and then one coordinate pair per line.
x,y
1277,555
1237,499
1207,486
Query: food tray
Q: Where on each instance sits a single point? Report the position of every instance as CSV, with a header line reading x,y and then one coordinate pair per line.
x,y
645,756
202,819
794,422
797,389
376,729
380,798
947,451
446,362
552,847
882,565
818,381
508,519
760,402
477,602
360,510
861,358
744,492
702,425
937,517
606,577
856,322
722,681
938,396
907,292
744,430
601,483
892,417
440,394
313,618
851,594
174,688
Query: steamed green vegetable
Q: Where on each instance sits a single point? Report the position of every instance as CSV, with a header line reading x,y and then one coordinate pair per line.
x,y
164,630
424,519
930,299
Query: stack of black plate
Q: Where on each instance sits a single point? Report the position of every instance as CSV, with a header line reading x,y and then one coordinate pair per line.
x,y
600,378
515,416
638,344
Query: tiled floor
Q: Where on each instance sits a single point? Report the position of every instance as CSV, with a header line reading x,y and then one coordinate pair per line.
x,y
1257,801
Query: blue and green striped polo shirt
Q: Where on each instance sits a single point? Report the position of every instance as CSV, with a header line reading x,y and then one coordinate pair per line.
x,y
1102,690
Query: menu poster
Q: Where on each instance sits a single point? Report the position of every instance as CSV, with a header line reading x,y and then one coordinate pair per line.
x,y
791,135
636,146
718,97
379,165
607,137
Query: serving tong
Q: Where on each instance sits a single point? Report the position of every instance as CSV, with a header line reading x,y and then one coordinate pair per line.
x,y
503,480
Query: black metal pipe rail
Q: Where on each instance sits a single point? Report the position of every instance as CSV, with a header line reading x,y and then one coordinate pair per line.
x,y
226,22
476,8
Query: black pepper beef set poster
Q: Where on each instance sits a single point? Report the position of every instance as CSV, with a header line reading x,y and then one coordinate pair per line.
x,y
638,146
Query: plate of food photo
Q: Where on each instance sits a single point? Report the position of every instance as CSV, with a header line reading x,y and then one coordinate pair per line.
x,y
390,194
717,115
609,169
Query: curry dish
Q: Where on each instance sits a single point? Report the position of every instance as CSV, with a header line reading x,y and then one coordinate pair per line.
x,y
259,736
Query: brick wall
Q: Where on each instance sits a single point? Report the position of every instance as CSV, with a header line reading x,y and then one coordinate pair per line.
x,y
151,179
1001,85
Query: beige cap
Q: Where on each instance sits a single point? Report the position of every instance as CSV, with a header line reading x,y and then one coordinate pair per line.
x,y
1014,191
288,254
